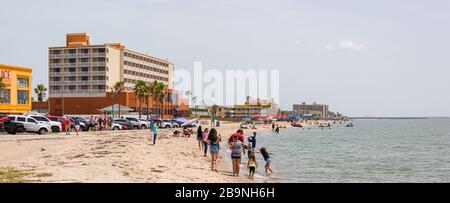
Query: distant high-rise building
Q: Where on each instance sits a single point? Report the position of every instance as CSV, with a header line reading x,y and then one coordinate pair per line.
x,y
310,109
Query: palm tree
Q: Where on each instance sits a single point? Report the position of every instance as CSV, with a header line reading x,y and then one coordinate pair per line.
x,y
139,92
2,87
146,95
157,92
119,87
162,95
40,90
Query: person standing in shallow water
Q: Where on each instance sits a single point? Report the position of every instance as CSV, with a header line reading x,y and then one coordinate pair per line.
x,y
200,137
155,132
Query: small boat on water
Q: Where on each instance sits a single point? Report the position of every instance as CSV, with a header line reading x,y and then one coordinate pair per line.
x,y
350,125
297,125
324,126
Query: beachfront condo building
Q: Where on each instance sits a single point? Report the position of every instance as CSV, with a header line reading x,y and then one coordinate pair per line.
x,y
15,97
304,109
82,77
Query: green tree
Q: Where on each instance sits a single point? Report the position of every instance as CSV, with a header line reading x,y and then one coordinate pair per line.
x,y
157,91
139,89
119,87
40,90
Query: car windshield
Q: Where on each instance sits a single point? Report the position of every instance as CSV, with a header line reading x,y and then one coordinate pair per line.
x,y
40,118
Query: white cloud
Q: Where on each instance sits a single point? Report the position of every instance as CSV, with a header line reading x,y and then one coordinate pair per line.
x,y
347,45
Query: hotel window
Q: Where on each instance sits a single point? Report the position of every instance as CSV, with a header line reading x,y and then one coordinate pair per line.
x,y
22,96
22,82
5,96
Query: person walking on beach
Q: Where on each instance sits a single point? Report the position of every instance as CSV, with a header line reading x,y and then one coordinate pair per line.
x,y
213,140
205,142
66,124
100,121
77,125
252,165
250,148
268,160
155,132
200,137
236,152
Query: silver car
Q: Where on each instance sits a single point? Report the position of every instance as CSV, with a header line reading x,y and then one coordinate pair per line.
x,y
55,126
31,124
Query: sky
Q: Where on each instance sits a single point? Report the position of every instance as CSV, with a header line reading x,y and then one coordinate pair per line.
x,y
363,58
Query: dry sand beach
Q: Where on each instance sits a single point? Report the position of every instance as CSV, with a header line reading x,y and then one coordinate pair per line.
x,y
120,156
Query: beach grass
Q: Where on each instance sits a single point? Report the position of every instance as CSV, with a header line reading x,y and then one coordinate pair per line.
x,y
13,175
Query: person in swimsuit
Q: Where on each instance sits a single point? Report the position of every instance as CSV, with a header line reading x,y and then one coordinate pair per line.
x,y
252,165
213,140
268,160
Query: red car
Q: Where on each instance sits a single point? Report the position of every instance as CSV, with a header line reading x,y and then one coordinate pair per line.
x,y
61,119
3,119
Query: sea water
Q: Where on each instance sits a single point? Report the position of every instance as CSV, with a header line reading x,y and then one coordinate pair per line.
x,y
373,151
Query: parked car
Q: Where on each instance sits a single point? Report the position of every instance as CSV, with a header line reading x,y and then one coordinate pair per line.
x,y
117,126
172,123
54,125
84,124
12,127
2,120
31,124
161,123
144,123
61,119
135,122
124,122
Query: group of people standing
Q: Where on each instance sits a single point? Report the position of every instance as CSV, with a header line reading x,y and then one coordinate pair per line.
x,y
211,139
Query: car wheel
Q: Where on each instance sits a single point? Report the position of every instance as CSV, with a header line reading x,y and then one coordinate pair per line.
x,y
12,132
42,131
135,128
19,130
167,126
55,129
116,128
143,127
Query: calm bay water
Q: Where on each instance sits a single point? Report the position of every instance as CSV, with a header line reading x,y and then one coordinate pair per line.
x,y
372,151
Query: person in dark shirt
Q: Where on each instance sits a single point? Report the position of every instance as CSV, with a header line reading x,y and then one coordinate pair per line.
x,y
267,158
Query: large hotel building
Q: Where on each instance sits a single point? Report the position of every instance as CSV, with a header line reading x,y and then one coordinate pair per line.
x,y
82,77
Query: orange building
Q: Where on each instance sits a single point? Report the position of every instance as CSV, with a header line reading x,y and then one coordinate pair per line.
x,y
15,97
82,77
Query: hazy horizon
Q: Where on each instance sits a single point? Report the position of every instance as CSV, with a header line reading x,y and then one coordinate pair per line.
x,y
382,58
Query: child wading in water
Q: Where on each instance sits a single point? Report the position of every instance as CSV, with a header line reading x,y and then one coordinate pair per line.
x,y
268,160
252,165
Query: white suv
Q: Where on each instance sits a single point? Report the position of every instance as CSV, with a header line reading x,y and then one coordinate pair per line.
x,y
31,124
55,126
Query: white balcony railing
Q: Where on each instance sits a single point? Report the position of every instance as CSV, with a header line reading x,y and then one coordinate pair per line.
x,y
80,64
93,54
